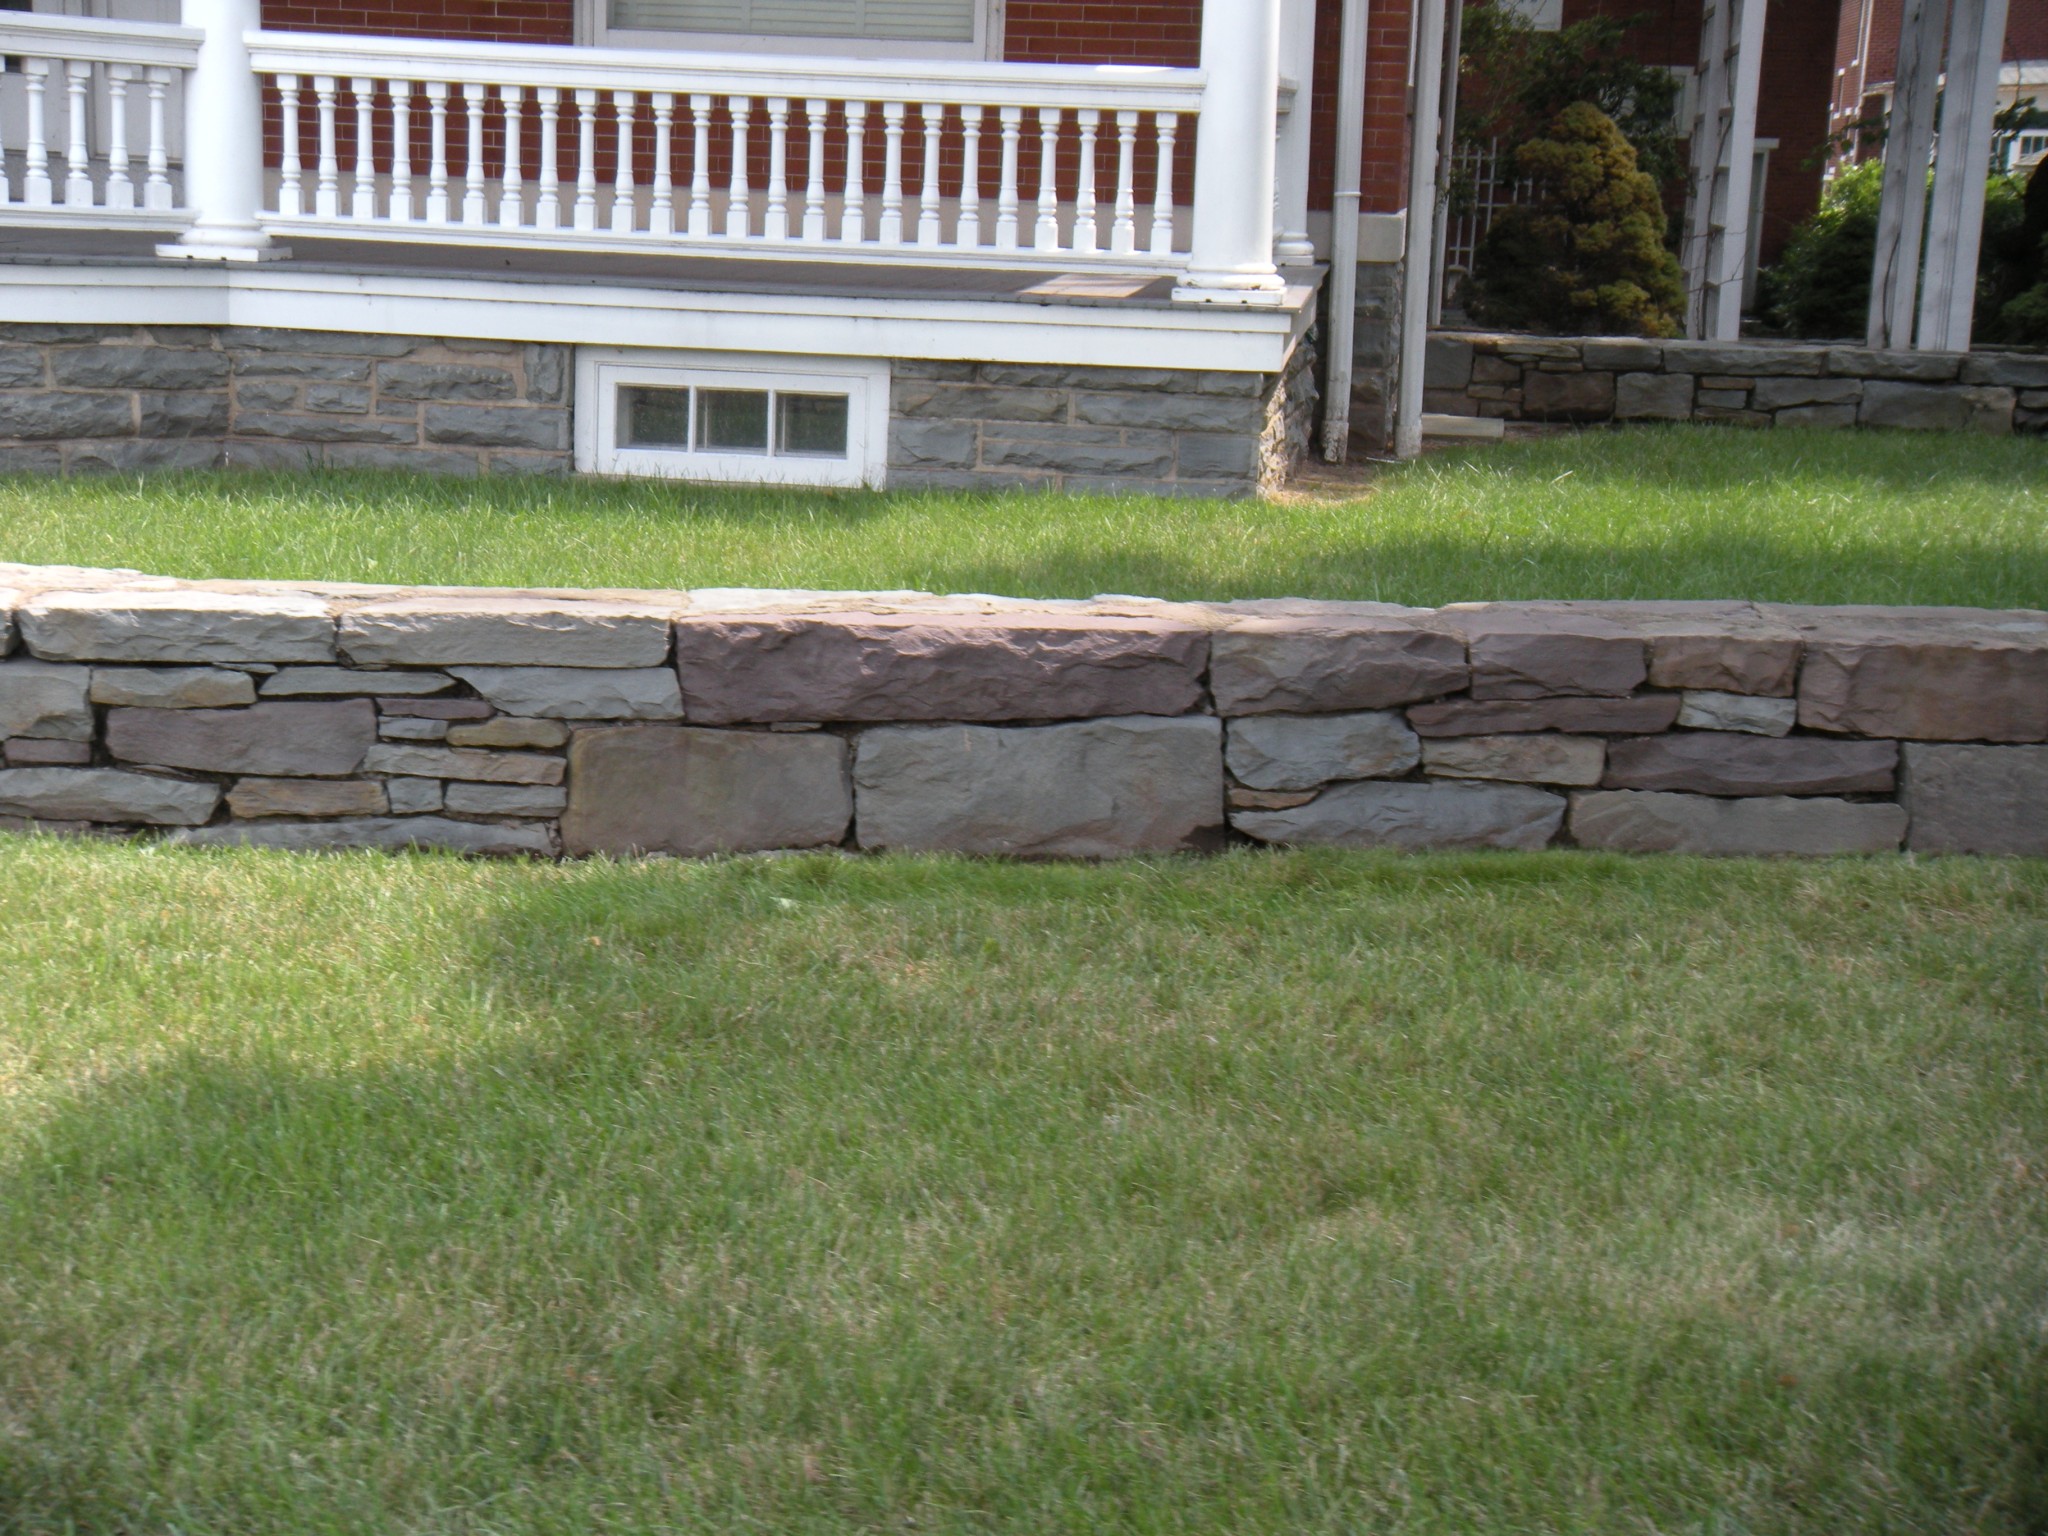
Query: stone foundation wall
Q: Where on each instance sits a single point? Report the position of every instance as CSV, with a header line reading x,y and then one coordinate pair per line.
x,y
77,398
1760,383
994,426
690,724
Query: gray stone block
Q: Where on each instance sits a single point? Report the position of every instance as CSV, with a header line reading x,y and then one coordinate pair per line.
x,y
1568,396
1862,363
28,461
1412,817
1934,407
1622,355
2012,369
1710,710
21,367
1447,363
1093,789
321,429
105,795
411,728
547,374
137,368
444,381
506,799
391,833
1215,455
341,399
462,763
46,415
674,789
412,796
341,343
521,461
1537,759
1646,821
1064,455
459,629
944,443
284,740
1653,397
1974,799
184,415
27,752
977,402
342,681
1736,763
1751,359
271,455
487,426
1721,400
411,461
172,687
1612,717
1194,413
285,365
267,395
177,626
579,693
41,698
1304,751
1775,394
1289,665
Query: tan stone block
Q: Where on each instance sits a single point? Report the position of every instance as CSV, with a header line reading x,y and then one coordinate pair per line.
x,y
508,731
693,792
252,798
1537,759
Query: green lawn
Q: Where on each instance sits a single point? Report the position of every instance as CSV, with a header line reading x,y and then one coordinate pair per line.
x,y
1675,512
1268,1193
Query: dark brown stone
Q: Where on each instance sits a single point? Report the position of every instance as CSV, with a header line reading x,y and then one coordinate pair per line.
x,y
275,739
1538,653
674,789
1976,799
1735,763
1927,690
1642,715
1320,666
872,666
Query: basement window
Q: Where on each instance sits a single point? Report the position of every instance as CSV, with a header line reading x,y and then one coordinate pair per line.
x,y
717,418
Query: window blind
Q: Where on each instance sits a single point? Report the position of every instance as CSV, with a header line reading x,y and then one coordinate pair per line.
x,y
935,21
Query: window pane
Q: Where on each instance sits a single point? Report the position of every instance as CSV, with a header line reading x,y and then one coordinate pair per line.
x,y
814,425
905,20
732,421
654,418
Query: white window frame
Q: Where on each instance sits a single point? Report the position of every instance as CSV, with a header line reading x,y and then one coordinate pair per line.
x,y
600,372
594,29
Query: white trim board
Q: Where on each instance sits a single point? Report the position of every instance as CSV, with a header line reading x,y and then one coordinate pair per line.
x,y
1215,337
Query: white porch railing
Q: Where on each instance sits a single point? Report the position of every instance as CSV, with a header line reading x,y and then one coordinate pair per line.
x,y
73,71
523,144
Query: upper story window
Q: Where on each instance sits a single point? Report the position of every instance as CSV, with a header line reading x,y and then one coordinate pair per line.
x,y
876,29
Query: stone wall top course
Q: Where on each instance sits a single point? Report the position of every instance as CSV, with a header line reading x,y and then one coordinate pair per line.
x,y
178,625
440,631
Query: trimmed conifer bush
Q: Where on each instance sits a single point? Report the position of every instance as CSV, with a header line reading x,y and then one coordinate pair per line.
x,y
1587,255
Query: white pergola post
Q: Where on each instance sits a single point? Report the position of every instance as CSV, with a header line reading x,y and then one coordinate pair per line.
x,y
1418,271
1955,222
1230,253
1291,244
223,139
1447,139
1723,163
1902,209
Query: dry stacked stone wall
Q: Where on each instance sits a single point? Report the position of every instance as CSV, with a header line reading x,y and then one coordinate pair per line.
x,y
694,723
1750,383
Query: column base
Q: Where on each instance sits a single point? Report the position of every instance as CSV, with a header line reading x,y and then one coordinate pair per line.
x,y
172,251
1241,292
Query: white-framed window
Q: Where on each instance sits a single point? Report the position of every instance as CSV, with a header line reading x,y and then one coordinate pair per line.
x,y
744,420
864,29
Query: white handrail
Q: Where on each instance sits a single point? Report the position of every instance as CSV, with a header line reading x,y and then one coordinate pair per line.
x,y
950,82
88,40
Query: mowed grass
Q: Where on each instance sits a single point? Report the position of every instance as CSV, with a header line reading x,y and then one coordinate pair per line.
x,y
1266,1193
1805,517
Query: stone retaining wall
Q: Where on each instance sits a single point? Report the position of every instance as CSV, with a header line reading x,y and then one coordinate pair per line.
x,y
982,426
108,397
694,723
1589,379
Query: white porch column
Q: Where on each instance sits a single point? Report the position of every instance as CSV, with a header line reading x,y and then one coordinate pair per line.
x,y
1723,164
1425,122
1230,256
223,140
1955,223
1902,208
1292,246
